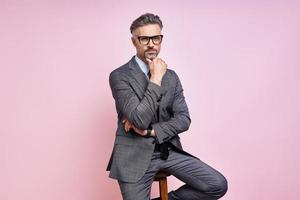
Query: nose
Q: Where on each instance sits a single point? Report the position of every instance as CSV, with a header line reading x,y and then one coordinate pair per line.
x,y
151,44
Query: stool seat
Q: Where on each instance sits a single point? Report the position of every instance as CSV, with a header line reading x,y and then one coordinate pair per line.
x,y
161,177
161,174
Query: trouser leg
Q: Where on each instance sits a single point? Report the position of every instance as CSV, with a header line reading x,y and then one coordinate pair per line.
x,y
141,189
202,181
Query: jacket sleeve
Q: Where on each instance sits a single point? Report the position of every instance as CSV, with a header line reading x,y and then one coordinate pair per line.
x,y
139,112
179,122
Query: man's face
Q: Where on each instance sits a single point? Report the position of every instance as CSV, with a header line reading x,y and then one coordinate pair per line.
x,y
140,39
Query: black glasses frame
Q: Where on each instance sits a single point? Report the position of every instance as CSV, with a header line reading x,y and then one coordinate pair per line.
x,y
148,38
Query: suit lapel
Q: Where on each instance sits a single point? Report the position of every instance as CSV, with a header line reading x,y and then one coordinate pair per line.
x,y
139,81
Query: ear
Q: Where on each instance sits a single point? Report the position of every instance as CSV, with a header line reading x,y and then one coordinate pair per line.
x,y
133,41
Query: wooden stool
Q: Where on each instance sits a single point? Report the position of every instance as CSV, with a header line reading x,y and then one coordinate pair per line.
x,y
163,184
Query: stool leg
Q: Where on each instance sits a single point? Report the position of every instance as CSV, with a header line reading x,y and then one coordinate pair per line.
x,y
163,188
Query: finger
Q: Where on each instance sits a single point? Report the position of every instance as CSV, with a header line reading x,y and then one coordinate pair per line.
x,y
158,59
126,126
148,60
125,120
127,129
128,123
129,126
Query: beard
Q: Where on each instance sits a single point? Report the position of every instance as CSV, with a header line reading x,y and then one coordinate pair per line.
x,y
151,54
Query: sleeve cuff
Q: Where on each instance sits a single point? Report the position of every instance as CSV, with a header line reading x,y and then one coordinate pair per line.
x,y
160,136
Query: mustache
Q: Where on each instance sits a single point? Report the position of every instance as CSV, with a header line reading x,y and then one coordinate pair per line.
x,y
148,50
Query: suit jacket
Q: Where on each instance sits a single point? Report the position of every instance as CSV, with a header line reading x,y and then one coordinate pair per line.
x,y
144,104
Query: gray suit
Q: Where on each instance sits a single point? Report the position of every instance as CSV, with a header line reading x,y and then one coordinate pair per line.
x,y
143,103
133,161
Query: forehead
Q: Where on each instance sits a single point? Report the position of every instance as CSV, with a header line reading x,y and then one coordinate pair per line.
x,y
148,30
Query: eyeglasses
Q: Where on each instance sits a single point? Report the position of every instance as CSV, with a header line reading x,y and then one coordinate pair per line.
x,y
156,39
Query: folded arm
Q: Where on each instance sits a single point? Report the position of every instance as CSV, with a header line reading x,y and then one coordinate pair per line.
x,y
139,112
179,122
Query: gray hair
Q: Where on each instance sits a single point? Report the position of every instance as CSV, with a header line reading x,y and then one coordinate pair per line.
x,y
145,19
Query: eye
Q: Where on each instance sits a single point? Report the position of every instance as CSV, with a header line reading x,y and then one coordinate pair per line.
x,y
156,37
144,39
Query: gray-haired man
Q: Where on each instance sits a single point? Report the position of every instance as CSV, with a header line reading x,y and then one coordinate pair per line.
x,y
151,113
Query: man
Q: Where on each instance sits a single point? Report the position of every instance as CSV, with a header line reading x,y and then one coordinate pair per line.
x,y
151,113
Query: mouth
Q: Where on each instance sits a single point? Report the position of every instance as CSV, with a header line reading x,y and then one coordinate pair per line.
x,y
151,54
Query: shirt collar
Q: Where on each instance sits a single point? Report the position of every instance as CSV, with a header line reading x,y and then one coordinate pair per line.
x,y
144,67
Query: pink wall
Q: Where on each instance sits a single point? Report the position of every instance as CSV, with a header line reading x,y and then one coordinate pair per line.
x,y
238,62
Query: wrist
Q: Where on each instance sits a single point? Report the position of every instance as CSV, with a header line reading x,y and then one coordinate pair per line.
x,y
153,134
148,132
156,81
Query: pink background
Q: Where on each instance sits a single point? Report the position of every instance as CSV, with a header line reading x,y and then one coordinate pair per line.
x,y
238,62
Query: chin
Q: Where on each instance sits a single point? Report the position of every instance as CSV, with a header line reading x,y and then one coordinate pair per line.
x,y
151,57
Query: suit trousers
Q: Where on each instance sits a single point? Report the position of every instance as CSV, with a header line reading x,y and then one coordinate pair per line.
x,y
202,182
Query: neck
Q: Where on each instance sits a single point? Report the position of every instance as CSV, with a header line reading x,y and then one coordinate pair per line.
x,y
144,60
